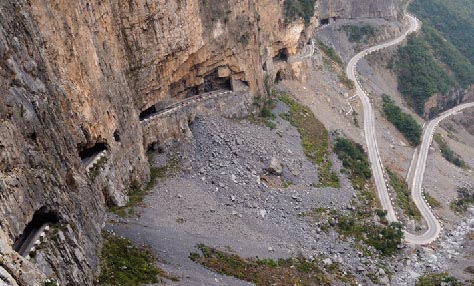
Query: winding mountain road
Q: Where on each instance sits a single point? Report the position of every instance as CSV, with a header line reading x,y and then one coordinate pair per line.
x,y
434,226
369,118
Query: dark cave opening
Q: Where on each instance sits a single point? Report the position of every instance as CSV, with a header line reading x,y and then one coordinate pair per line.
x,y
281,56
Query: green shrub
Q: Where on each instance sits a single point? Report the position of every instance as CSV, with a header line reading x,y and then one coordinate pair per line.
x,y
354,161
437,279
432,201
404,122
291,271
384,238
314,139
295,9
403,194
464,200
331,53
359,33
447,153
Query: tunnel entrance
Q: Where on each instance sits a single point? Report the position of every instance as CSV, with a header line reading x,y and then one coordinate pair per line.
x,y
324,21
282,55
147,113
213,82
33,230
88,154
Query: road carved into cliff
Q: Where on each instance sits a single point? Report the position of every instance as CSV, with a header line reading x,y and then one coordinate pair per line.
x,y
185,102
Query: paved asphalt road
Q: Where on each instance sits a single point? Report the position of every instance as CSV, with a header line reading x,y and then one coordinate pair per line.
x,y
434,226
369,119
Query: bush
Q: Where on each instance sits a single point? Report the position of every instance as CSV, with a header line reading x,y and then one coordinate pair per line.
x,y
295,9
437,279
354,161
359,33
404,122
447,153
384,238
464,200
331,53
291,271
404,200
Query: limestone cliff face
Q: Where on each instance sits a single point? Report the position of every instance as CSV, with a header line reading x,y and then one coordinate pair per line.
x,y
76,78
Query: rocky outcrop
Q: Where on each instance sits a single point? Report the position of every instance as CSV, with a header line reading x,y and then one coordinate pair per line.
x,y
440,102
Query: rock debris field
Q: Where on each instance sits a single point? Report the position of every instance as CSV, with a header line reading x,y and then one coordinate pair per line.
x,y
225,195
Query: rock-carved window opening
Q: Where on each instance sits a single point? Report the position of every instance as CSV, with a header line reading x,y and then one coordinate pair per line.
x,y
88,154
324,21
41,220
147,113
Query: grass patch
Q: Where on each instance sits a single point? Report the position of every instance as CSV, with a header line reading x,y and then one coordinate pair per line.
x,y
403,194
447,153
354,161
432,201
404,122
136,194
331,53
266,116
292,271
95,170
464,200
122,263
437,279
333,57
342,77
314,139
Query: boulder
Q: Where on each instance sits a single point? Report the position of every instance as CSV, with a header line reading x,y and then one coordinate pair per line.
x,y
275,167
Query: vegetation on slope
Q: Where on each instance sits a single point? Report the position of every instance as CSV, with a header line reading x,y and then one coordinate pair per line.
x,y
295,9
404,122
441,57
122,263
314,138
454,19
447,153
354,160
331,57
437,279
265,272
464,200
431,201
419,75
403,194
